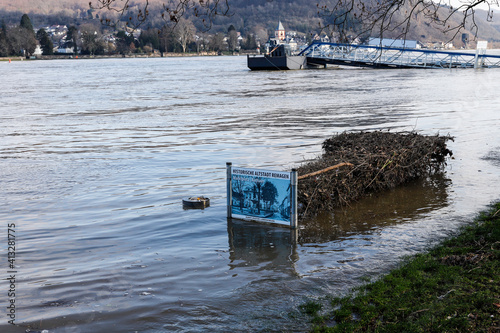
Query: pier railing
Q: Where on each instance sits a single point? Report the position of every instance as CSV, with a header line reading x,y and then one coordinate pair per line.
x,y
321,53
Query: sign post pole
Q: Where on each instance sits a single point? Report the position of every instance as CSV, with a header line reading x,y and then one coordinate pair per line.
x,y
480,51
229,189
293,200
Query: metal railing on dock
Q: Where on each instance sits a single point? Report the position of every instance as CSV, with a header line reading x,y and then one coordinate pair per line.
x,y
321,53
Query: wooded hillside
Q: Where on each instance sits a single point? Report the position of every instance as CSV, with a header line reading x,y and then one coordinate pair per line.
x,y
245,15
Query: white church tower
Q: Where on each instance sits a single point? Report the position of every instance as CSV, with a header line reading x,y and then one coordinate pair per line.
x,y
279,33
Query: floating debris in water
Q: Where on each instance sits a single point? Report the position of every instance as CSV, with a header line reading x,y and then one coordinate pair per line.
x,y
196,202
146,293
355,164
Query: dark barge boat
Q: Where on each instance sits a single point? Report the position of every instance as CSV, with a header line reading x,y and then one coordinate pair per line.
x,y
280,58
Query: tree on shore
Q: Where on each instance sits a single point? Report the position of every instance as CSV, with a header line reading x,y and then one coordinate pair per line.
x,y
150,38
72,38
23,38
250,43
217,42
184,30
125,42
45,42
201,41
232,38
21,41
4,41
91,39
169,41
26,23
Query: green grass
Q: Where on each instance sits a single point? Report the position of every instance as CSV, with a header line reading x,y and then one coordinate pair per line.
x,y
454,287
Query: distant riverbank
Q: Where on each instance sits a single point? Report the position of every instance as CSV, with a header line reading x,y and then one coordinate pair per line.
x,y
133,55
454,287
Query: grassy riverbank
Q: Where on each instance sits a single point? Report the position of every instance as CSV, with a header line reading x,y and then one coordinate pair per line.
x,y
455,287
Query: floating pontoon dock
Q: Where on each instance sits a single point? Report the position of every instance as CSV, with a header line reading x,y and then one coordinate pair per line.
x,y
321,54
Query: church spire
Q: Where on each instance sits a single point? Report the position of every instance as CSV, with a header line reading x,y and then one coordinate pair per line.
x,y
280,32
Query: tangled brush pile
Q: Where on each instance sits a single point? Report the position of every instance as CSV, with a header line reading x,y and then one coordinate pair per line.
x,y
358,163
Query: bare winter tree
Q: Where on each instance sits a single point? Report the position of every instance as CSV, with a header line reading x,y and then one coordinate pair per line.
x,y
137,12
354,18
91,39
346,18
21,41
184,30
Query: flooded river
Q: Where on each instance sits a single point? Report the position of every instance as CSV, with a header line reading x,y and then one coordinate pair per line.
x,y
96,156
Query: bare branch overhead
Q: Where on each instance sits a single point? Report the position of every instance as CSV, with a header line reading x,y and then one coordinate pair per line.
x,y
136,13
397,16
347,19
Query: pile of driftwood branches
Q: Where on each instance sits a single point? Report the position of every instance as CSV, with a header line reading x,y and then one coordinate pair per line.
x,y
354,165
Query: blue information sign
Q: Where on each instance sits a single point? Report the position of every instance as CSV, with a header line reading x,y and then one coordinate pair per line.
x,y
261,195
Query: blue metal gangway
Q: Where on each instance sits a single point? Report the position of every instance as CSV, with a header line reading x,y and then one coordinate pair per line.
x,y
321,54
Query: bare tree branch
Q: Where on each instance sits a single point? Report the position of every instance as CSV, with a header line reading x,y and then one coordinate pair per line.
x,y
347,19
397,16
136,13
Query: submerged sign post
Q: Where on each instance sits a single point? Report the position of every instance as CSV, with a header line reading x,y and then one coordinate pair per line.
x,y
480,52
262,195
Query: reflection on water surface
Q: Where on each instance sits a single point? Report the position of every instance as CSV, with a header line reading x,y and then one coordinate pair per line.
x,y
399,205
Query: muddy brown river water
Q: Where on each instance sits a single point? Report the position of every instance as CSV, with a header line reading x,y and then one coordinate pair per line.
x,y
96,156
